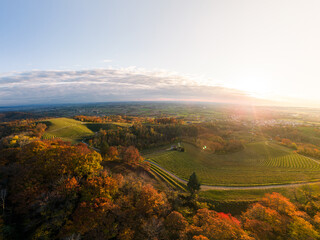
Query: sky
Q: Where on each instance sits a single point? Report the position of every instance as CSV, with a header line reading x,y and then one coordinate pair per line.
x,y
67,51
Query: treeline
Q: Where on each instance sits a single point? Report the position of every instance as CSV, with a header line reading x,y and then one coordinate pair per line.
x,y
19,131
220,137
167,120
17,126
110,118
128,119
294,133
301,148
293,137
54,190
143,136
13,116
219,145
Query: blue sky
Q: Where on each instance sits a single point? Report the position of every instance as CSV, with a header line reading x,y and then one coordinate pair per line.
x,y
267,49
81,34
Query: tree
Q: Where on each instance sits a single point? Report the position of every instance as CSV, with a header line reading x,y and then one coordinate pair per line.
x,y
39,129
176,225
150,201
275,217
112,153
104,148
216,226
193,184
200,237
131,156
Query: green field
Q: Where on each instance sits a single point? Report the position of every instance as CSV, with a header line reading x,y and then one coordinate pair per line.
x,y
66,129
260,163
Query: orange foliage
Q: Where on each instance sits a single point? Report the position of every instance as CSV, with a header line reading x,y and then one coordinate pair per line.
x,y
279,203
200,237
264,222
112,153
217,226
176,225
131,156
44,164
276,217
150,201
97,189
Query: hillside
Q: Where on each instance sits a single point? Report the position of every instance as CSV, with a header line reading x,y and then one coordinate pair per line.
x,y
66,129
259,163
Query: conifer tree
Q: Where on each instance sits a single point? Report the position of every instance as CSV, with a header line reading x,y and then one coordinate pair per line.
x,y
193,184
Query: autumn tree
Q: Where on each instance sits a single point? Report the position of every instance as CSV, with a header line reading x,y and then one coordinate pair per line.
x,y
176,225
131,156
213,225
274,216
200,237
42,166
92,215
112,153
150,200
39,129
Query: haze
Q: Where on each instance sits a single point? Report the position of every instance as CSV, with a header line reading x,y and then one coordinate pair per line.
x,y
260,52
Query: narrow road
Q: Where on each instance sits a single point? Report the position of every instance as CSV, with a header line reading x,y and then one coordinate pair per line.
x,y
96,149
213,187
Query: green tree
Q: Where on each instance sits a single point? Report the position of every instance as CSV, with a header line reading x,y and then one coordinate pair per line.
x,y
193,184
104,148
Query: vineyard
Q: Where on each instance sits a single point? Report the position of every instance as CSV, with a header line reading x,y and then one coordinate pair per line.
x,y
293,160
258,164
49,136
170,181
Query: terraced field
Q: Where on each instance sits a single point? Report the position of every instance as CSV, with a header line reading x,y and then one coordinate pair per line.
x,y
259,163
66,129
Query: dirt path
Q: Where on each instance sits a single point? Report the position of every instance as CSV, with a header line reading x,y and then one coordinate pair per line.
x,y
212,187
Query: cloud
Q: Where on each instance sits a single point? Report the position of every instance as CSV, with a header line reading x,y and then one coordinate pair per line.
x,y
101,85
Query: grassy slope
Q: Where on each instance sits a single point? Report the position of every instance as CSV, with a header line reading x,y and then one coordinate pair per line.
x,y
74,131
67,129
258,164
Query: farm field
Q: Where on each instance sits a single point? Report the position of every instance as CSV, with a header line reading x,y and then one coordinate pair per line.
x,y
66,129
260,163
